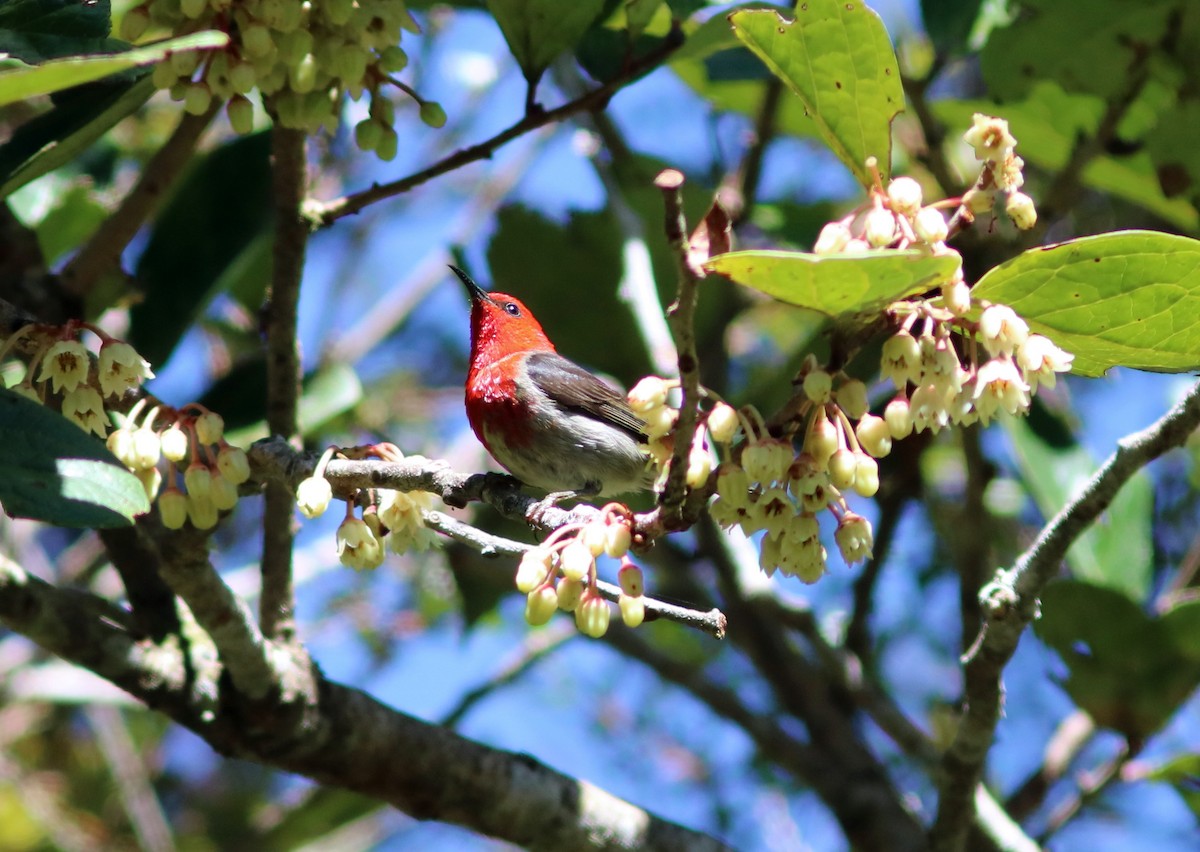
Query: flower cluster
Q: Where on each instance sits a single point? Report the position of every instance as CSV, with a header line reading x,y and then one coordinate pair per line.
x,y
648,398
1003,172
391,519
1003,366
60,369
775,490
190,444
560,573
303,56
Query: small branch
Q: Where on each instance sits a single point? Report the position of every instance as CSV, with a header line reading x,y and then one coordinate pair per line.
x,y
712,622
1091,785
858,631
327,214
681,316
1010,602
102,252
289,181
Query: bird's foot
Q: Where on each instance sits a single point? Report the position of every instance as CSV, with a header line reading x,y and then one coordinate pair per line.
x,y
535,514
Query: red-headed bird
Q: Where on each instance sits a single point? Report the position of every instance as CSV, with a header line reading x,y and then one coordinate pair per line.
x,y
548,421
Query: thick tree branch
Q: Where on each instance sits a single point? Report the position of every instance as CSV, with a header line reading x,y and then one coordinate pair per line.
x,y
1010,602
351,740
289,182
328,213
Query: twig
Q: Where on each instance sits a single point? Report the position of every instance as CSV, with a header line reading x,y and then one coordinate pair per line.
x,y
289,180
1091,785
712,622
858,632
1010,602
326,214
681,316
973,520
102,252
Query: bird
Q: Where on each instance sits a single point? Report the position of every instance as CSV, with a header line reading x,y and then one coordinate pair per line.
x,y
548,421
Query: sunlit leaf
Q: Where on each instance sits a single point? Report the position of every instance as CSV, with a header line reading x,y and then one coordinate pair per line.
x,y
1126,298
53,471
537,31
836,285
838,58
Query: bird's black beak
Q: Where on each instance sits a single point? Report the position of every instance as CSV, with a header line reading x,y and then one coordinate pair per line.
x,y
473,290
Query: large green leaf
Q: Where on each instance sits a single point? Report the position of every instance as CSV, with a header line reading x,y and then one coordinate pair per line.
x,y
21,83
53,471
37,30
1116,551
1048,123
836,285
1127,669
218,212
1084,45
537,31
1127,298
59,136
837,57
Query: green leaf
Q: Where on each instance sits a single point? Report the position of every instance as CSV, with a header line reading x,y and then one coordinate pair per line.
x,y
537,31
75,216
1104,38
1126,298
1126,670
836,285
53,471
37,30
1117,551
1047,124
837,57
56,75
220,209
59,136
949,24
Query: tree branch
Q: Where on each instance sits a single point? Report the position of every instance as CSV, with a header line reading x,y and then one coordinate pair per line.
x,y
289,181
326,214
350,741
1010,602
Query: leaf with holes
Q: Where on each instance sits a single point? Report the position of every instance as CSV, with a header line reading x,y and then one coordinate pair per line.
x,y
1127,298
838,58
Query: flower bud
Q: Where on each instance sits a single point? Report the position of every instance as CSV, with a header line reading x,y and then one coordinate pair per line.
x,y
929,225
576,560
822,440
852,397
722,423
233,464
879,227
210,427
617,538
904,195
833,238
173,508
898,417
874,436
147,449
866,475
592,616
648,394
313,496
818,385
533,569
593,536
541,605
633,610
174,444
842,465
699,467
198,479
201,512
223,493
1020,210
631,580
570,593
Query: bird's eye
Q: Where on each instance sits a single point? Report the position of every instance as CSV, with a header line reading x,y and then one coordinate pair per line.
x,y
511,309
